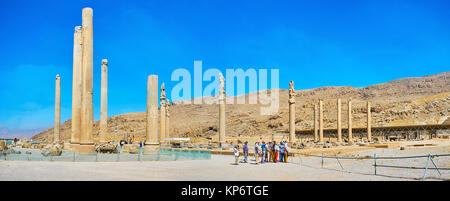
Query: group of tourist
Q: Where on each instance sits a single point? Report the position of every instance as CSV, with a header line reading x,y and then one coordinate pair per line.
x,y
270,152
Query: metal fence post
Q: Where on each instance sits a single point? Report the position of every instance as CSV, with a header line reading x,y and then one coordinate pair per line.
x,y
426,167
435,166
337,158
375,163
322,160
353,164
139,155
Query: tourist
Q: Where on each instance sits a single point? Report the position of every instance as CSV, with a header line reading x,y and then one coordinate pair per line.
x,y
286,152
269,152
276,152
245,150
263,152
281,151
236,155
256,152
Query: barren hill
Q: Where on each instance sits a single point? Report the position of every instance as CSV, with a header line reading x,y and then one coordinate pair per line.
x,y
417,100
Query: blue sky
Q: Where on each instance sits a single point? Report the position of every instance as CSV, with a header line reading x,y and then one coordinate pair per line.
x,y
315,43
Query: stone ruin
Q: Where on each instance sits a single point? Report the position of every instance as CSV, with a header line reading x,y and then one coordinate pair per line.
x,y
106,148
52,150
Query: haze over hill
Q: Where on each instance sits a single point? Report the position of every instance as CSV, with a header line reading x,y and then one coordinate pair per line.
x,y
415,100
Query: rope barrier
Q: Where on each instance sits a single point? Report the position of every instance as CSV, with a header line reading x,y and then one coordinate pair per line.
x,y
429,158
369,157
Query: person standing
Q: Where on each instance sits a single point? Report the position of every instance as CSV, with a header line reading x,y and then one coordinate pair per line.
x,y
263,152
236,155
269,151
286,152
281,151
245,150
257,152
277,150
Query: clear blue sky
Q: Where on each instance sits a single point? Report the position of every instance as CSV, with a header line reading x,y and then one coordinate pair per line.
x,y
315,43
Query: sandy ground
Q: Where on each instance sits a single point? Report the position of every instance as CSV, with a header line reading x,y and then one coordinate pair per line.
x,y
220,167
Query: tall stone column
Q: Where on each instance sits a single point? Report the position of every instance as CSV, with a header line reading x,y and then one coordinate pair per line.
x,y
291,112
104,102
316,136
221,109
87,120
320,121
339,125
162,116
369,120
350,137
167,118
56,139
152,111
76,87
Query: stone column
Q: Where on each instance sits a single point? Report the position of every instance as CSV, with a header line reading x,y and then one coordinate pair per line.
x,y
87,119
162,116
167,118
350,137
221,109
152,111
291,112
320,121
339,126
316,136
369,119
76,87
104,102
56,139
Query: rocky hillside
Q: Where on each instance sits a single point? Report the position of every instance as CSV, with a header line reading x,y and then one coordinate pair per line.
x,y
418,100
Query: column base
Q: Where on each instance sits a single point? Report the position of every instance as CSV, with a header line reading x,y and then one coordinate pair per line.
x,y
151,148
85,148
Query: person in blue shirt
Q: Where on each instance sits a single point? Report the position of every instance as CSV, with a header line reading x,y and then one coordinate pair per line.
x,y
263,152
281,151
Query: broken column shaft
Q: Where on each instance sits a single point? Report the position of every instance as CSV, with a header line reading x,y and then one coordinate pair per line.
x,y
339,126
152,137
320,121
369,119
77,89
87,120
56,139
350,137
104,102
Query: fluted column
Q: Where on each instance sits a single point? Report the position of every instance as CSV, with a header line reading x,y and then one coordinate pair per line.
x,y
56,139
152,137
339,125
87,63
350,137
320,121
291,112
77,89
104,102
